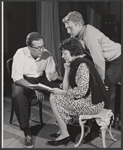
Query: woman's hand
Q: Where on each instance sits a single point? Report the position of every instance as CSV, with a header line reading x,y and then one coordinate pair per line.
x,y
67,66
57,91
39,95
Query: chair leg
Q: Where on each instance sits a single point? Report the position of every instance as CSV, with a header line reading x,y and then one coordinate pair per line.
x,y
12,113
82,132
109,130
103,137
40,112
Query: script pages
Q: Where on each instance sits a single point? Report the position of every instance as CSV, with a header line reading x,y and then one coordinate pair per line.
x,y
40,86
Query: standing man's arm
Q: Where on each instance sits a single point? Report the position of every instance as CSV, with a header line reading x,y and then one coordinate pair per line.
x,y
93,44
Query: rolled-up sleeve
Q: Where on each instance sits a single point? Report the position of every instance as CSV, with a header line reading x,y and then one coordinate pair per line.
x,y
51,67
18,65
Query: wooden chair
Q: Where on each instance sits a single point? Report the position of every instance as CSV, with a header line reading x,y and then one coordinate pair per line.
x,y
32,101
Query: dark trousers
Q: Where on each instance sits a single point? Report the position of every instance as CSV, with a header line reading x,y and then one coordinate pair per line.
x,y
22,95
112,76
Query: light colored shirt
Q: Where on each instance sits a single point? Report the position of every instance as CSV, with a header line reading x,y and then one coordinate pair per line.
x,y
25,64
101,48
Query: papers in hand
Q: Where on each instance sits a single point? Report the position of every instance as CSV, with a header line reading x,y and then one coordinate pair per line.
x,y
40,86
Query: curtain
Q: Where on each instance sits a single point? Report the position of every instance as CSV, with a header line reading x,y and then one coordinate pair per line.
x,y
93,17
47,13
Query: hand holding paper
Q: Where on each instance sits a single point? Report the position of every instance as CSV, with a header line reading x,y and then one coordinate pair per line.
x,y
57,91
40,86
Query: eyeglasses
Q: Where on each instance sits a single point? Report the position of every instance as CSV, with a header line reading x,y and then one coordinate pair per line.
x,y
39,48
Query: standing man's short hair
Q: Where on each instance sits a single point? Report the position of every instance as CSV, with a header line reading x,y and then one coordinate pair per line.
x,y
74,17
33,36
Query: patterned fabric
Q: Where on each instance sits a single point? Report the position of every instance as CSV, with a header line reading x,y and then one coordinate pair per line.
x,y
73,104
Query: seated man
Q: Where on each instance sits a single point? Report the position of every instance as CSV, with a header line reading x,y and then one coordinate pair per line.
x,y
32,64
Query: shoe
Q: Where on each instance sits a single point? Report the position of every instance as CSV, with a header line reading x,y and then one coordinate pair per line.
x,y
64,141
54,135
28,143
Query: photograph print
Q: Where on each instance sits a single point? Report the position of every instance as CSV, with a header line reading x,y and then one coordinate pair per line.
x,y
61,74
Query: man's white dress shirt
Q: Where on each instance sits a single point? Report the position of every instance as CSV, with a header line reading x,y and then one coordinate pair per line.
x,y
25,64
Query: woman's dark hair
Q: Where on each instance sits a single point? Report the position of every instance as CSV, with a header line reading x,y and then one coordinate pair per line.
x,y
33,36
73,45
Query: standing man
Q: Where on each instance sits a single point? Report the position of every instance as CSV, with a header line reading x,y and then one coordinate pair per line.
x,y
31,65
105,53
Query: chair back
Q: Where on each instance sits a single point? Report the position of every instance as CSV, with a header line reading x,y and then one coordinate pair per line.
x,y
9,68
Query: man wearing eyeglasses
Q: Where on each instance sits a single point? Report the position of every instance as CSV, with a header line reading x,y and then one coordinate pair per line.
x,y
31,65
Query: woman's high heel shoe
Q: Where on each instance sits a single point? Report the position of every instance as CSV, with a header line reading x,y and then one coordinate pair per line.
x,y
64,141
54,135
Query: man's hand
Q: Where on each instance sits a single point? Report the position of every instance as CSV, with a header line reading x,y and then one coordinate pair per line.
x,y
106,87
39,95
53,76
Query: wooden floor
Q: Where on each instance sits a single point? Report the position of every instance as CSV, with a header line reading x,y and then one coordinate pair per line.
x,y
13,137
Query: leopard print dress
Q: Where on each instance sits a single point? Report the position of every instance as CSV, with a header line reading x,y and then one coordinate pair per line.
x,y
73,104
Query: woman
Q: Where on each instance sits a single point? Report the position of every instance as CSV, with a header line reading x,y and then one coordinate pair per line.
x,y
83,92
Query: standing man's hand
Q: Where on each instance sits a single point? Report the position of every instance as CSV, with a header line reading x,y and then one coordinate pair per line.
x,y
106,87
39,95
